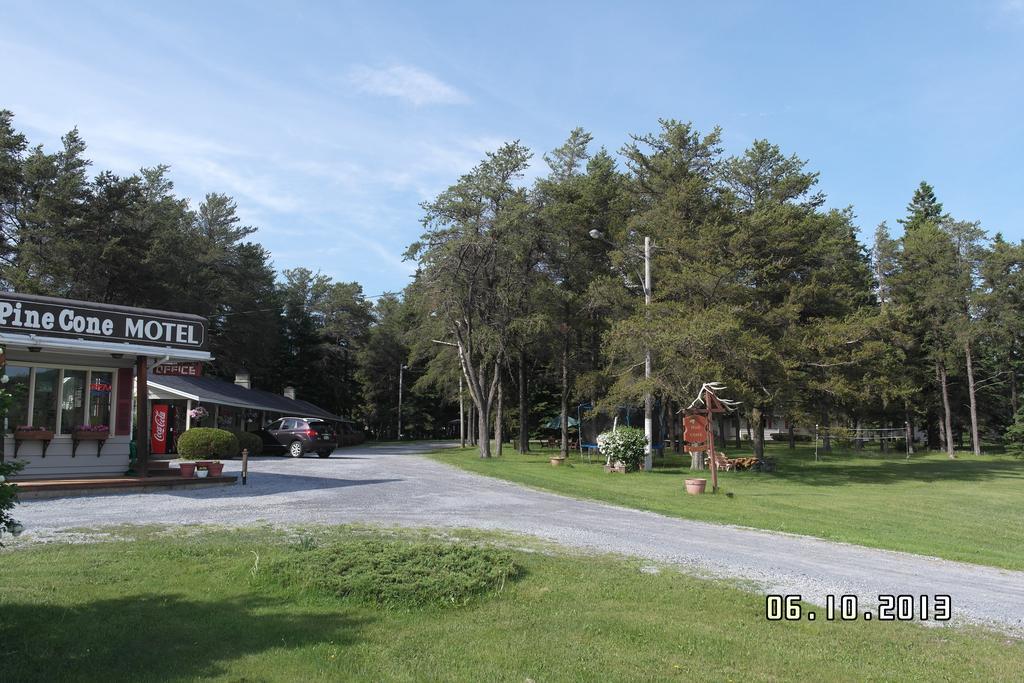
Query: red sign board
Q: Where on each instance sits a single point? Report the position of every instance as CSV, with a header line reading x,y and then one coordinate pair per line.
x,y
158,434
695,428
179,369
695,433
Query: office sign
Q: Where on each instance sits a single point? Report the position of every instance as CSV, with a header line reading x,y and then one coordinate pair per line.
x,y
50,317
179,369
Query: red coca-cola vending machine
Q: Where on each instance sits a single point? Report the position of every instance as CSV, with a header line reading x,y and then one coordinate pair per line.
x,y
158,434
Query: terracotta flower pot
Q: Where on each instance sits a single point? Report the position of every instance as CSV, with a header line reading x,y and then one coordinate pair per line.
x,y
188,469
216,469
695,487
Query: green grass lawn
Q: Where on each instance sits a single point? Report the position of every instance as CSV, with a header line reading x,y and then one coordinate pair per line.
x,y
967,509
188,605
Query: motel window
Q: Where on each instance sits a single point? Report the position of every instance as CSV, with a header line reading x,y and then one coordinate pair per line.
x,y
101,387
72,400
59,399
18,384
44,398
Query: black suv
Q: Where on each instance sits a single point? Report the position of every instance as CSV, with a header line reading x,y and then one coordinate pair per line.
x,y
297,436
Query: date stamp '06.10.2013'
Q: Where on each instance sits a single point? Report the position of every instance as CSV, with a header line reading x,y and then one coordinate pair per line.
x,y
845,608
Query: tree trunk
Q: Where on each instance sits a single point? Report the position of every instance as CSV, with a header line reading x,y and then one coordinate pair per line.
x,y
564,450
498,417
675,430
1014,399
524,412
662,424
737,418
859,443
483,436
974,404
757,418
696,460
792,436
945,408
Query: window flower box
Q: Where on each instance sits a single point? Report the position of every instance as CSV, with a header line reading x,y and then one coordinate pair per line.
x,y
30,433
97,433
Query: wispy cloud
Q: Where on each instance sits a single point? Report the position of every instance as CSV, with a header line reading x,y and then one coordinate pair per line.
x,y
1012,8
404,82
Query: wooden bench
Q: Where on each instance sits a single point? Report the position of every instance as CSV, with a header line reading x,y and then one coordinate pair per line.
x,y
723,462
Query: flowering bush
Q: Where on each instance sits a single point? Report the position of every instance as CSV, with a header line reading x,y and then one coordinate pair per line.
x,y
625,445
92,428
27,428
198,413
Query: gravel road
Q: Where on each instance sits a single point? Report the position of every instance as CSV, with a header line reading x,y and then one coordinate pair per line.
x,y
392,485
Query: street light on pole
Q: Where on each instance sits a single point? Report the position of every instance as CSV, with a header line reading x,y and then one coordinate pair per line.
x,y
462,418
645,282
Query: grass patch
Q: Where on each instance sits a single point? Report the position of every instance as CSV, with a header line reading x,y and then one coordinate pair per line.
x,y
166,608
394,573
966,509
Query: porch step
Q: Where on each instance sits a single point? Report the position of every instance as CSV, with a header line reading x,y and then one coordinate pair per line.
x,y
161,468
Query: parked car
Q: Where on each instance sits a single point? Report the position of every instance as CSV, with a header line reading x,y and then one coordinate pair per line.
x,y
296,436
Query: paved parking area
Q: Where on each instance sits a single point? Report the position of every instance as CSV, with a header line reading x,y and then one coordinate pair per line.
x,y
393,485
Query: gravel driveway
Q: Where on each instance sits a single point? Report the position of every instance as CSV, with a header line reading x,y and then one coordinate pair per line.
x,y
392,485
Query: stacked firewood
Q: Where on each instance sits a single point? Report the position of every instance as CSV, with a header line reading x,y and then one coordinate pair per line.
x,y
743,463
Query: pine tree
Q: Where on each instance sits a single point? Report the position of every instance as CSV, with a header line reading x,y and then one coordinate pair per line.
x,y
923,208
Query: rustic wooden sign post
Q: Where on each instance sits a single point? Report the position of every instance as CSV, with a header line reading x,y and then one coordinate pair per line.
x,y
698,428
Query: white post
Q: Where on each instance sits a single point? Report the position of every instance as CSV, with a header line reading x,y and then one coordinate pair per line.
x,y
648,399
188,415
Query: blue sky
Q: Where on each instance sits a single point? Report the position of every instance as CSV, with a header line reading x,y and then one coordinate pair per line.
x,y
330,122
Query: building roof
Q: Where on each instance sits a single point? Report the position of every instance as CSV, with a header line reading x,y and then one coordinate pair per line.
x,y
214,390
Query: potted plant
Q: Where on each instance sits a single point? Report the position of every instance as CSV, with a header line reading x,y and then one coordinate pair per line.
x,y
200,449
623,449
91,432
198,413
695,487
97,433
30,433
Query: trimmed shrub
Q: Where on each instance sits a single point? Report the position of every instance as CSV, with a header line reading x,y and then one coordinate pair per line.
x,y
249,440
395,573
202,443
625,444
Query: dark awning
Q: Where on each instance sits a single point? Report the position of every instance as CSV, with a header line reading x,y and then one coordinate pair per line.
x,y
221,392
